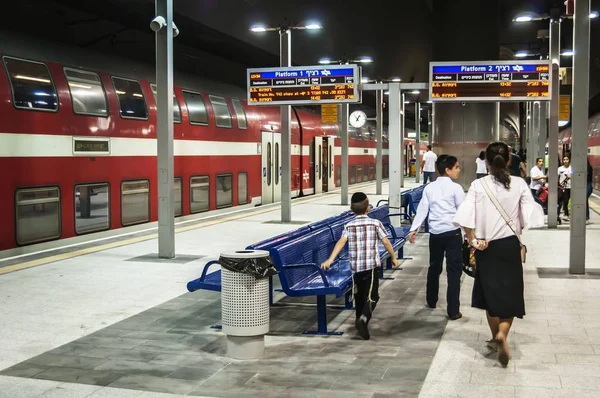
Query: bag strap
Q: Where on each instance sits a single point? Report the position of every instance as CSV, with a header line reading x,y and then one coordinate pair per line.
x,y
500,209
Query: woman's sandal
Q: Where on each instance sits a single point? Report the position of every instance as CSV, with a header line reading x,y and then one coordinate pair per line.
x,y
503,351
492,344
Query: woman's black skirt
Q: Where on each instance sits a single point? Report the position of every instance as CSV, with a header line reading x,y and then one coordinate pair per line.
x,y
499,279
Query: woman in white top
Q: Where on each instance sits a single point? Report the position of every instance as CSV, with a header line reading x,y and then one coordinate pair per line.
x,y
498,285
481,167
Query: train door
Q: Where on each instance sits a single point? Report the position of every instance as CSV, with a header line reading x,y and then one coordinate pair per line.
x,y
318,171
271,167
330,164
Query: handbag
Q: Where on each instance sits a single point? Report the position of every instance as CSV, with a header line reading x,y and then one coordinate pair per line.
x,y
469,266
507,219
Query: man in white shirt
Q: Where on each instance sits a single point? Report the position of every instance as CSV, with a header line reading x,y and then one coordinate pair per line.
x,y
538,178
440,201
564,184
428,165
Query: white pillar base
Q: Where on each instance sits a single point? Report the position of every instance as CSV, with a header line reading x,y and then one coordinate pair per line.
x,y
246,347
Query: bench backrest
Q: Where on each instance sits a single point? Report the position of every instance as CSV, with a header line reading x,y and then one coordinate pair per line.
x,y
311,248
415,197
279,239
330,220
381,213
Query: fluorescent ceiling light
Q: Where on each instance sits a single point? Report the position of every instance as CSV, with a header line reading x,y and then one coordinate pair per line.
x,y
313,26
523,18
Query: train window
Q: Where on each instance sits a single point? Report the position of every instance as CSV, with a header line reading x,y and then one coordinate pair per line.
x,y
222,114
338,178
176,108
135,202
177,199
32,86
359,170
131,98
353,174
386,170
87,92
38,214
224,190
240,114
196,108
199,193
242,188
330,161
92,204
311,152
372,171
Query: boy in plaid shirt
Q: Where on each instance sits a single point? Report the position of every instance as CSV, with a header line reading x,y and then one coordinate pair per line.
x,y
363,235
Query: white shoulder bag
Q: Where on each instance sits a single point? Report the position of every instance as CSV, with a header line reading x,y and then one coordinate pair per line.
x,y
509,222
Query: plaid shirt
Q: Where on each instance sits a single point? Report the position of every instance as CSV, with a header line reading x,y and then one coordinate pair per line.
x,y
363,234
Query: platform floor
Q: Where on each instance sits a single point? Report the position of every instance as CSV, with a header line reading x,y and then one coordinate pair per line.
x,y
119,323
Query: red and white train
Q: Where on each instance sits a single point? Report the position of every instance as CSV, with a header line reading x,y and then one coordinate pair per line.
x,y
564,146
78,145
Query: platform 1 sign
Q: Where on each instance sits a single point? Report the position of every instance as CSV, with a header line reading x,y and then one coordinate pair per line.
x,y
304,85
490,81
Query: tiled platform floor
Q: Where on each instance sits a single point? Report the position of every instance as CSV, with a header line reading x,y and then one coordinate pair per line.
x,y
101,326
171,348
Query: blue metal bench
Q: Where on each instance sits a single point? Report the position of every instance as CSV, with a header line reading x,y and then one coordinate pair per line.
x,y
299,264
207,281
396,235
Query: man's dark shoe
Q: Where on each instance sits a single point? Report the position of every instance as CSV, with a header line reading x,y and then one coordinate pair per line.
x,y
456,316
363,331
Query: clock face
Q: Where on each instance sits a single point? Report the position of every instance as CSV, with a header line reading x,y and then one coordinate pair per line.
x,y
358,119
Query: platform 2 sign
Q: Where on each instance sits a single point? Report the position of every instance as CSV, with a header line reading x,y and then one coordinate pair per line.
x,y
306,85
490,81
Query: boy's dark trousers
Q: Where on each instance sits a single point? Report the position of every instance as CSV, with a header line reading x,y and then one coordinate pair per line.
x,y
449,243
362,282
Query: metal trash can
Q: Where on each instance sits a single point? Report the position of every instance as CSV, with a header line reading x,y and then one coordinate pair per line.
x,y
245,301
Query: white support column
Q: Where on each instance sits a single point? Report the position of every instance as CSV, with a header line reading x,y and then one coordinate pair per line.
x,y
395,149
401,144
344,169
553,125
379,137
286,135
581,85
543,132
535,130
497,123
164,142
417,142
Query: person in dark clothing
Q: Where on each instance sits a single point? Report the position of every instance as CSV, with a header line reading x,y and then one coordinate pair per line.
x,y
514,164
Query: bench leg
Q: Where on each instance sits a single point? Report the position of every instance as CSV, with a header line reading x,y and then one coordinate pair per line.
x,y
401,256
322,319
381,275
348,304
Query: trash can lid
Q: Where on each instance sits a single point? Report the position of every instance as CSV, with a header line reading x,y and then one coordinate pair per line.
x,y
246,254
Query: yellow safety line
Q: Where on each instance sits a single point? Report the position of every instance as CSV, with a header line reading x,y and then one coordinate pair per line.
x,y
595,207
81,252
